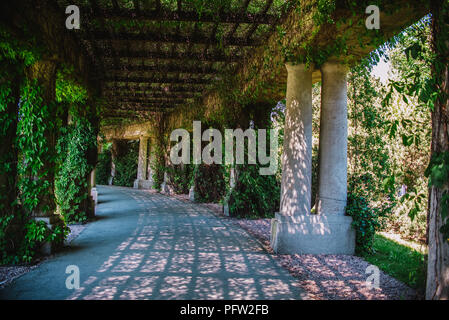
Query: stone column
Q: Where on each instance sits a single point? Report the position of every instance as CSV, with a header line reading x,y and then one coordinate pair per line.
x,y
114,153
44,71
297,157
141,182
231,185
295,229
333,159
93,185
8,147
332,180
151,161
296,182
164,185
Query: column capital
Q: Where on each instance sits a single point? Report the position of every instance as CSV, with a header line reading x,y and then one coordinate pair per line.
x,y
299,67
334,67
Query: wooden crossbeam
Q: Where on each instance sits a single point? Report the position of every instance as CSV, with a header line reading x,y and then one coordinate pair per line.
x,y
178,55
161,89
150,101
173,38
255,25
124,107
130,94
167,69
123,91
156,80
188,16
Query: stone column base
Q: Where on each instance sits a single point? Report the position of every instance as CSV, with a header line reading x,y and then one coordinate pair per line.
x,y
312,234
52,222
192,194
94,194
166,189
226,206
226,209
143,184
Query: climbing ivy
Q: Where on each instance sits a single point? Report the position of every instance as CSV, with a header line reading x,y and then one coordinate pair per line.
x,y
209,183
180,177
254,195
72,180
103,169
126,165
37,163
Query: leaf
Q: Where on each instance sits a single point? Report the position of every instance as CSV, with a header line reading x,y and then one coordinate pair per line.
x,y
407,141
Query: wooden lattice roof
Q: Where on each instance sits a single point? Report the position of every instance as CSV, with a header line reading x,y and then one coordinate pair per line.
x,y
153,55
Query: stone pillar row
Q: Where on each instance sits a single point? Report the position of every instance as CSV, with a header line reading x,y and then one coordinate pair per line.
x,y
294,229
44,72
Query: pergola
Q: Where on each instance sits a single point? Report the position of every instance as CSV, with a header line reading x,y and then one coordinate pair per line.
x,y
154,57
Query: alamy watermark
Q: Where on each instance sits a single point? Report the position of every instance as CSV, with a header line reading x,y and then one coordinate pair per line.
x,y
73,20
180,153
73,280
373,20
373,280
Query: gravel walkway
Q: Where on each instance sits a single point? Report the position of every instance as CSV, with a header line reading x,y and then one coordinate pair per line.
x,y
324,277
330,277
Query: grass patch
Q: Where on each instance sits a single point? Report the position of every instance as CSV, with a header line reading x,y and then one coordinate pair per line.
x,y
400,261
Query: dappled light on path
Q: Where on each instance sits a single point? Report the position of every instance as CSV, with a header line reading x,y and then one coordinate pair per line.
x,y
182,251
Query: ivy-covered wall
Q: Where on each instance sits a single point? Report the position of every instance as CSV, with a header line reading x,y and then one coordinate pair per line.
x,y
45,162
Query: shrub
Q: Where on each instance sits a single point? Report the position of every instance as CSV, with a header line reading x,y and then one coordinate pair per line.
x,y
209,184
180,178
126,166
365,222
103,170
26,238
254,195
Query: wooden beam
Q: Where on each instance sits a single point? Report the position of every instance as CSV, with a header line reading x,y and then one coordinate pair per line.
x,y
168,68
156,80
130,94
150,101
178,56
188,16
169,89
173,38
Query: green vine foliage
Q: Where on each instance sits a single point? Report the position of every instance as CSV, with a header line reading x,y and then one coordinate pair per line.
x,y
72,184
30,170
35,168
16,243
180,177
21,236
126,166
158,167
254,195
365,222
438,174
209,183
425,73
37,233
103,169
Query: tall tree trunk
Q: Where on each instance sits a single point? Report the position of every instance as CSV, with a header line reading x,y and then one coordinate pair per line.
x,y
438,261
